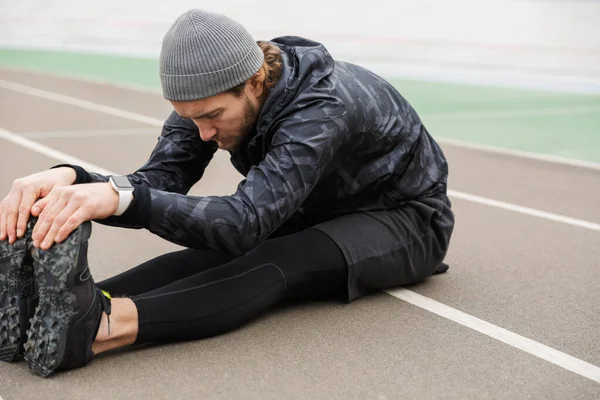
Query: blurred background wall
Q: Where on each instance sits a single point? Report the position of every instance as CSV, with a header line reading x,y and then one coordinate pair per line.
x,y
547,44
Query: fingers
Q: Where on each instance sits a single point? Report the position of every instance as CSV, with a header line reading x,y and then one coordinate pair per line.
x,y
15,211
54,205
16,208
77,218
3,234
12,211
67,207
39,206
62,211
27,200
64,223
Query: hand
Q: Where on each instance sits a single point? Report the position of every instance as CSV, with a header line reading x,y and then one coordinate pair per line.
x,y
15,208
67,207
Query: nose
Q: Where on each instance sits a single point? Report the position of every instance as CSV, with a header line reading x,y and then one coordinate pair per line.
x,y
207,132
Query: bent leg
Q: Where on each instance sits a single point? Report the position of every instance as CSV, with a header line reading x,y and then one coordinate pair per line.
x,y
391,248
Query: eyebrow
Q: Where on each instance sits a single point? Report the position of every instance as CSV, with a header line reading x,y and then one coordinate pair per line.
x,y
208,114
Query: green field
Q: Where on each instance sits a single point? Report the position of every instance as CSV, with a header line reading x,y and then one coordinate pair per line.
x,y
551,123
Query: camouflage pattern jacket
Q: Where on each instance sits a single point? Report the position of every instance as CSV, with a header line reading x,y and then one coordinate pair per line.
x,y
332,138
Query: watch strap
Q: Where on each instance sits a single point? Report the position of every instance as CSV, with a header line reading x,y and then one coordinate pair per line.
x,y
125,197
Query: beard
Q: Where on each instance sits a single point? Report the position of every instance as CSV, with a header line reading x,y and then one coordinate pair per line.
x,y
233,141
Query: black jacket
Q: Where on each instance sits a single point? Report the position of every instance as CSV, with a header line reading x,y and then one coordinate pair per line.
x,y
332,138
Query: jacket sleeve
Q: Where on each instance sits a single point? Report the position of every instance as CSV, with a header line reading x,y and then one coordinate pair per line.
x,y
177,162
302,148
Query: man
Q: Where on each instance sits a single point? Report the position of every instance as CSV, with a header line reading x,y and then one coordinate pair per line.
x,y
345,194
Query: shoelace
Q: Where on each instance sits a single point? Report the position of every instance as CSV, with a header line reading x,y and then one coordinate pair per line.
x,y
106,306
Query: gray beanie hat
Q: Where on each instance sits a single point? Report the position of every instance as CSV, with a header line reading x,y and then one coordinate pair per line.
x,y
204,54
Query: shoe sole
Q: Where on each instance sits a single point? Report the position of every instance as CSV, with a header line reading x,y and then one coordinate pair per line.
x,y
10,328
47,335
13,278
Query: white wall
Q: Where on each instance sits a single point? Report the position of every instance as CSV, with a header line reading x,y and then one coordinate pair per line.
x,y
527,43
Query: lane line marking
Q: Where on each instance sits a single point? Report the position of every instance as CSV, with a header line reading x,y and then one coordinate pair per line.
x,y
83,79
423,116
73,101
91,133
50,152
524,210
529,346
509,114
518,153
153,121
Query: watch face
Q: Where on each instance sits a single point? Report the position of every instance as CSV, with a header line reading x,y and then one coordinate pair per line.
x,y
122,182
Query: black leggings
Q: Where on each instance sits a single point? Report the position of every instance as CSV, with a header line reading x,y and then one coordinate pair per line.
x,y
193,294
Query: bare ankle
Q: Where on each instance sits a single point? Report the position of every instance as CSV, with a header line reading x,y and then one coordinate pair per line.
x,y
123,326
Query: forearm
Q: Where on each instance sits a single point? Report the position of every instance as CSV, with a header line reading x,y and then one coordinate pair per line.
x,y
224,223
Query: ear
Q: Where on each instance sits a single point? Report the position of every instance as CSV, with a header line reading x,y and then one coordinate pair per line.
x,y
257,83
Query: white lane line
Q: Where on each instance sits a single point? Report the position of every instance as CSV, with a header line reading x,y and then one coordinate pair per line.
x,y
50,152
91,133
83,79
532,347
525,210
509,114
153,121
88,105
537,349
424,116
518,153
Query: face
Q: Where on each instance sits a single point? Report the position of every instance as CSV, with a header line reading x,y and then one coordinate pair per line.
x,y
224,118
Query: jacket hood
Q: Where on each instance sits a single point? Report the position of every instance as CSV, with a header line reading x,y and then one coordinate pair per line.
x,y
305,62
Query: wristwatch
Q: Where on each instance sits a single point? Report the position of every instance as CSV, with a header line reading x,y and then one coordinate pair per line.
x,y
123,187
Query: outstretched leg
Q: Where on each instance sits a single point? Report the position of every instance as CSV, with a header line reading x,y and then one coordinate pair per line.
x,y
162,270
219,299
